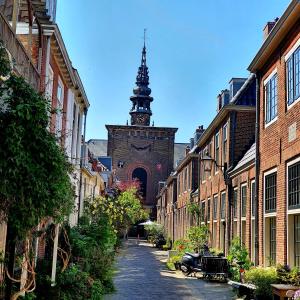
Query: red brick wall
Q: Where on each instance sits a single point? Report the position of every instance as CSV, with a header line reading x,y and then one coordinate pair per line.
x,y
245,177
274,148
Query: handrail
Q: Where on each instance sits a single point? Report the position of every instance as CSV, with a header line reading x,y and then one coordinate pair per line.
x,y
23,64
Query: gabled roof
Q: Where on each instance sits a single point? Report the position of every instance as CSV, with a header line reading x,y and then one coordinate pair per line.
x,y
236,104
247,160
277,34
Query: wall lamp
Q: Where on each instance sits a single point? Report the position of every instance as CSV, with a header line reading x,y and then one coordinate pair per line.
x,y
208,163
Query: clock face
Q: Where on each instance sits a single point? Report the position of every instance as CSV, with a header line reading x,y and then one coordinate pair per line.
x,y
140,119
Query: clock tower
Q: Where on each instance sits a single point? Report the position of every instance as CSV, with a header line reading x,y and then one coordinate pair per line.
x,y
138,150
141,99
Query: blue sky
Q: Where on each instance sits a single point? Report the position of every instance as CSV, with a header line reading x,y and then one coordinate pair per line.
x,y
194,47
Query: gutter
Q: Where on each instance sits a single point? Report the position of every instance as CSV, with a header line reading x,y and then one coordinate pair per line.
x,y
279,26
257,169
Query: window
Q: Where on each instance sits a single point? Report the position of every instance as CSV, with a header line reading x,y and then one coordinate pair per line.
x,y
49,84
217,147
270,192
243,199
225,143
297,240
215,207
235,196
208,210
293,77
253,203
203,175
271,99
223,205
59,106
272,241
294,186
202,210
185,179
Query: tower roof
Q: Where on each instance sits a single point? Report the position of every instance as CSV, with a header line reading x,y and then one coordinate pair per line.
x,y
142,78
141,99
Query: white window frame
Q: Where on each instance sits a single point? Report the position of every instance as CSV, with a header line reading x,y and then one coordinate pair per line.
x,y
237,199
272,214
290,211
216,196
241,203
223,193
252,220
59,107
215,150
49,84
209,200
286,58
224,130
274,72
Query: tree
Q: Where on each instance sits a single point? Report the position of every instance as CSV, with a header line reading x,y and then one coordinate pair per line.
x,y
34,171
196,212
123,210
198,236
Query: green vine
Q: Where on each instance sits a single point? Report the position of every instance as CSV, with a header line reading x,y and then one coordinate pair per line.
x,y
34,171
4,61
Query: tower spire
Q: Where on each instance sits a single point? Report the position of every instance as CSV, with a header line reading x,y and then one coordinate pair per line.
x,y
141,112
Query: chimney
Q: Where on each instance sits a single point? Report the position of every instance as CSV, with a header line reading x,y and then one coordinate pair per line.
x,y
219,102
192,143
223,99
187,150
268,28
199,131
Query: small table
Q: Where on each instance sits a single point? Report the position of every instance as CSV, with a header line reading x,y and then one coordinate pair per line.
x,y
281,289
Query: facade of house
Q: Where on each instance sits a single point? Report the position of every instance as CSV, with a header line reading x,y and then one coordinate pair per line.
x,y
276,66
252,189
37,51
226,140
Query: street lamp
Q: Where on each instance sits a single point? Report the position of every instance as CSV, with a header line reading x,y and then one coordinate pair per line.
x,y
209,161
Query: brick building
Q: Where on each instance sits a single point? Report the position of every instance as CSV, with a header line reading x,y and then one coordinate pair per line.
x,y
139,150
34,42
225,142
276,66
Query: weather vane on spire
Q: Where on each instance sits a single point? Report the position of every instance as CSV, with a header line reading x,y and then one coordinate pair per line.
x,y
145,36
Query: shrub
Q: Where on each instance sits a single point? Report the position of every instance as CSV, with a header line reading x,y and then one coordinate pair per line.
x,y
74,284
262,278
155,232
170,266
238,258
182,246
286,275
216,251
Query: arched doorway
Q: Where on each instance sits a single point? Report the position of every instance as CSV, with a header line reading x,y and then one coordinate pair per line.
x,y
141,175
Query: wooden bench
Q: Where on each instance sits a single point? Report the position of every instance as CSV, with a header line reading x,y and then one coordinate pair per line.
x,y
284,291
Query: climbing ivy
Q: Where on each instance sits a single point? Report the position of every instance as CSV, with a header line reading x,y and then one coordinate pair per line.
x,y
34,171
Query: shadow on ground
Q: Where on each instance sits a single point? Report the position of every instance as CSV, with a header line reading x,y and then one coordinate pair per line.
x,y
142,275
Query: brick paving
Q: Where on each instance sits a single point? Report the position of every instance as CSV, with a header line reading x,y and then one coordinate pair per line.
x,y
141,274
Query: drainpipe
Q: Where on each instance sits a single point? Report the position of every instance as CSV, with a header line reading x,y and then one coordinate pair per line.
x,y
80,200
257,167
